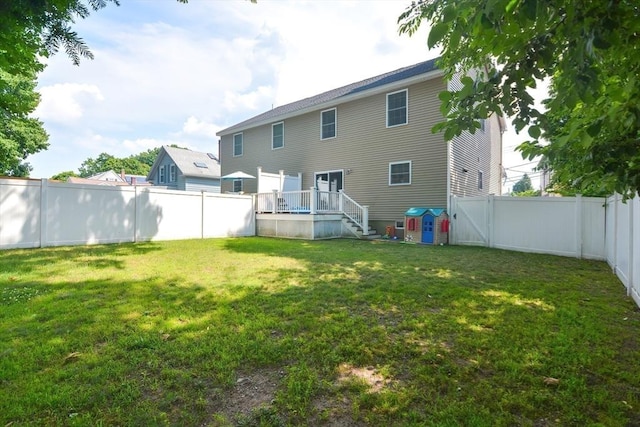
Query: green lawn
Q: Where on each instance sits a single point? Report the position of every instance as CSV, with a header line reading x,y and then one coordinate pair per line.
x,y
271,332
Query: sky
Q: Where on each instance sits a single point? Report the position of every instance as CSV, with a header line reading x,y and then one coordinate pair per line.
x,y
172,73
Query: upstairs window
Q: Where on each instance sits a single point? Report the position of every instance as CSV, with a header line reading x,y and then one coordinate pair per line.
x,y
161,175
277,135
328,124
172,173
397,108
400,173
480,178
237,145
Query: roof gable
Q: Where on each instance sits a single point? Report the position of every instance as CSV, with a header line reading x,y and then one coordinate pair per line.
x,y
336,95
190,163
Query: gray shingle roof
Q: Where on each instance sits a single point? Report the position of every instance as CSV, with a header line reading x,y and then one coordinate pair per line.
x,y
185,160
335,94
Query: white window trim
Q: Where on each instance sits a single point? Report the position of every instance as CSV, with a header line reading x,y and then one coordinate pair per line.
x,y
406,116
241,186
272,141
162,175
335,124
172,173
410,172
233,145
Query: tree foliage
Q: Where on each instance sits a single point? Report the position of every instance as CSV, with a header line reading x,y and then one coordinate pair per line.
x,y
137,164
524,184
30,29
588,49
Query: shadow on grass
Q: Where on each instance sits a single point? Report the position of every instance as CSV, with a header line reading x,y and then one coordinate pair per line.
x,y
98,256
450,334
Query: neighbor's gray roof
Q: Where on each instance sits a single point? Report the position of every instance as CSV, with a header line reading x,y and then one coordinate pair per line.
x,y
335,94
185,161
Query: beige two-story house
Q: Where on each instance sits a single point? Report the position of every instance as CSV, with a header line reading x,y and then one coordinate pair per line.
x,y
373,140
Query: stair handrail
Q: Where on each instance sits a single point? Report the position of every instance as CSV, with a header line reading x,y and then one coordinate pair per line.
x,y
356,212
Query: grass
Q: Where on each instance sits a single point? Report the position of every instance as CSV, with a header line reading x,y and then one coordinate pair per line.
x,y
266,332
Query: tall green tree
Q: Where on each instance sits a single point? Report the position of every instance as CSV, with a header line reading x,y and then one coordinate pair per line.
x,y
105,162
20,135
30,29
588,49
524,184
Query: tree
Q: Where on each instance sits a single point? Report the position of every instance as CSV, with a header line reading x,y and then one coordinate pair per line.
x,y
524,184
20,135
63,176
590,52
30,29
105,162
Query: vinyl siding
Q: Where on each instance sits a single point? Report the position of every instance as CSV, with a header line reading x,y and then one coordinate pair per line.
x,y
201,184
166,163
471,153
364,145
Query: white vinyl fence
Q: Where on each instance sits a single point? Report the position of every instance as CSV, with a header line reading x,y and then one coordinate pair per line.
x,y
39,213
623,242
582,227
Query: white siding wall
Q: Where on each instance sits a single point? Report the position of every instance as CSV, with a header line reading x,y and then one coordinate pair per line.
x,y
43,213
202,184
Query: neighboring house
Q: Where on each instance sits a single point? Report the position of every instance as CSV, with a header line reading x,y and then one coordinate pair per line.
x,y
110,178
182,169
372,139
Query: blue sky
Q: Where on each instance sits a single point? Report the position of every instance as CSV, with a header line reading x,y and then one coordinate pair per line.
x,y
170,73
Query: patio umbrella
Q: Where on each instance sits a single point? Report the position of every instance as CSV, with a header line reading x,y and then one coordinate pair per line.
x,y
238,175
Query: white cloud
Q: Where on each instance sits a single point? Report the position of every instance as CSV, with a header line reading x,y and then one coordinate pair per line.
x,y
65,102
216,63
196,127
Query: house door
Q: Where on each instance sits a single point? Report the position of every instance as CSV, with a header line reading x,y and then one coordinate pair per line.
x,y
427,228
333,178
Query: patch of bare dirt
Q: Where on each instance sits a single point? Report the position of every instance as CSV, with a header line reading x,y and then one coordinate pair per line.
x,y
251,391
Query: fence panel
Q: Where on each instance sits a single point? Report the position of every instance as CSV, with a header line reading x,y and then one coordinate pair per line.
x,y
19,213
169,214
82,214
623,242
36,213
470,221
228,215
569,226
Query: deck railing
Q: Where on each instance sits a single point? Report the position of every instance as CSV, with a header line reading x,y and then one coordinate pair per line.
x,y
314,201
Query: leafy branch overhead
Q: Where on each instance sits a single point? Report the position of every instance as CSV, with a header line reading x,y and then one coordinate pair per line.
x,y
30,29
589,51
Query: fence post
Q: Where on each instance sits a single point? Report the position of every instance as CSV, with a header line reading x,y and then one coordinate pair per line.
x,y
614,264
365,220
631,260
202,214
44,190
578,222
275,201
490,218
313,194
136,222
